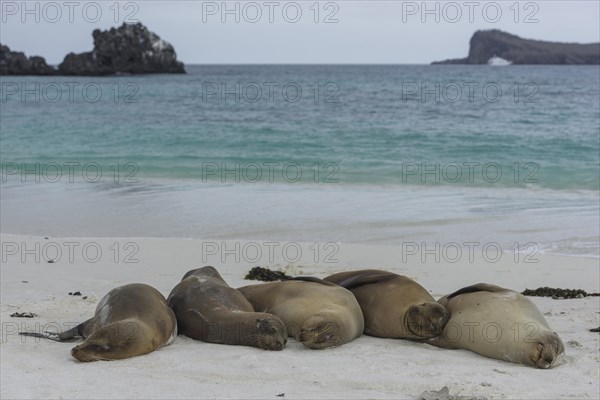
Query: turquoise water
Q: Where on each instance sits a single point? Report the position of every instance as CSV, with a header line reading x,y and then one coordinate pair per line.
x,y
349,153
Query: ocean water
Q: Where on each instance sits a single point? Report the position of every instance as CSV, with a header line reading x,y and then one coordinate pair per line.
x,y
370,154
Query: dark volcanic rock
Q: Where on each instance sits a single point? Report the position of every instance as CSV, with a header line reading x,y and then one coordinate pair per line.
x,y
129,49
16,63
487,44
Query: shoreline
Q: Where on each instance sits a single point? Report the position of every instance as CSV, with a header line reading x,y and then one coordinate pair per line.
x,y
557,223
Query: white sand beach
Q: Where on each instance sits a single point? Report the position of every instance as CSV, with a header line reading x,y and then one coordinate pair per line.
x,y
367,367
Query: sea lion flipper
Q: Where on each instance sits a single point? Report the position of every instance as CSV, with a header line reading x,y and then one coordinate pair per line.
x,y
70,335
441,342
478,287
80,331
198,314
313,279
43,335
362,279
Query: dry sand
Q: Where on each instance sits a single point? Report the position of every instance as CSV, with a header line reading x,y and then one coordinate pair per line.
x,y
368,367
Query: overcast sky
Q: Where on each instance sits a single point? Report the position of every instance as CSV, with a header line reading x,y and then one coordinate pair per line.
x,y
301,31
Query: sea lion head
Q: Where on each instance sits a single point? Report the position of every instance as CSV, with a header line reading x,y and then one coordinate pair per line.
x,y
320,332
115,341
272,334
546,350
426,320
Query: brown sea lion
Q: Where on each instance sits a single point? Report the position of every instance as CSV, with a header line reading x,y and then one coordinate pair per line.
x,y
130,320
499,323
394,306
208,309
316,313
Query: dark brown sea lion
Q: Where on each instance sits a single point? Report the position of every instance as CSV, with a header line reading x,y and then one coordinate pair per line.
x,y
208,309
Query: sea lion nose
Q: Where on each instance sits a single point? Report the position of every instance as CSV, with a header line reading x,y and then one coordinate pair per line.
x,y
441,322
444,318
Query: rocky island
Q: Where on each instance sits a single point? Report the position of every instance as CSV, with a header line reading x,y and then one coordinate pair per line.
x,y
129,49
489,44
17,63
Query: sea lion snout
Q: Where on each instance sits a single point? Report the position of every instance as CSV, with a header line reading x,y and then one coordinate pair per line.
x,y
427,320
548,351
319,332
272,333
87,352
442,320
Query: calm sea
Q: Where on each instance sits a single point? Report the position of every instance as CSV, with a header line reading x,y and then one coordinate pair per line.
x,y
374,154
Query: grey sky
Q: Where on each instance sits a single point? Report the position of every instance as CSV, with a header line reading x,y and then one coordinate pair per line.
x,y
358,31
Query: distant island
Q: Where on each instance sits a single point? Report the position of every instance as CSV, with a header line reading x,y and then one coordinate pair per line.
x,y
498,45
129,49
17,63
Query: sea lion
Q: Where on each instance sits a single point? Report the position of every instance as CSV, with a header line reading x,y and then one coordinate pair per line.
x,y
208,309
130,320
394,306
499,323
316,313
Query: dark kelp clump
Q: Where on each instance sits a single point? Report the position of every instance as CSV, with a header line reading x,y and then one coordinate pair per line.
x,y
266,275
557,293
23,315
